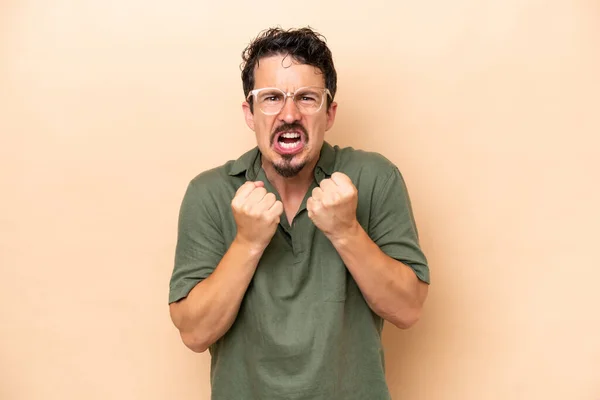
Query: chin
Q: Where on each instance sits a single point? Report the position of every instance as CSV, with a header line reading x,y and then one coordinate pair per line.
x,y
290,166
288,170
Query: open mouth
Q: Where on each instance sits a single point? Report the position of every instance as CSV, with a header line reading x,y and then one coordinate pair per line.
x,y
289,142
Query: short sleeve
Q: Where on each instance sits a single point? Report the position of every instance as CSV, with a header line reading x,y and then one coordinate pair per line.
x,y
392,225
200,244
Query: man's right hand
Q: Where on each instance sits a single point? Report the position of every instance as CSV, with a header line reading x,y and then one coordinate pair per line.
x,y
256,214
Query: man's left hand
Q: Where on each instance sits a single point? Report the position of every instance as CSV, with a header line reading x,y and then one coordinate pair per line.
x,y
332,207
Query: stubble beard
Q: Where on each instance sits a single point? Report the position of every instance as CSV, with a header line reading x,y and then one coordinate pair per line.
x,y
286,169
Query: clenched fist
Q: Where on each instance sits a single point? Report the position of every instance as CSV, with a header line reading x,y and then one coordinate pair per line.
x,y
332,207
256,214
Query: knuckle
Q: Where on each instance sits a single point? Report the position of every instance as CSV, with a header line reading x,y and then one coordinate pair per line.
x,y
244,187
255,215
338,174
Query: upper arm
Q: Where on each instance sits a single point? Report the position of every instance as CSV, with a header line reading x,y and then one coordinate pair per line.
x,y
200,243
392,225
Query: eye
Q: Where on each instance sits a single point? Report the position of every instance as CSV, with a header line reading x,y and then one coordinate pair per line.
x,y
308,97
270,97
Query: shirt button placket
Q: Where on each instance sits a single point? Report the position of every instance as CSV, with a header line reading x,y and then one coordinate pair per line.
x,y
296,242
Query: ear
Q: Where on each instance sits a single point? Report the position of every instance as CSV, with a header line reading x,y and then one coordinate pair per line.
x,y
248,115
331,111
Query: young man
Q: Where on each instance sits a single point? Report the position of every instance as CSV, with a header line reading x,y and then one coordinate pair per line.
x,y
290,258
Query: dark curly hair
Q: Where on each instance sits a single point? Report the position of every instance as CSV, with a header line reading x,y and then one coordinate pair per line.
x,y
304,45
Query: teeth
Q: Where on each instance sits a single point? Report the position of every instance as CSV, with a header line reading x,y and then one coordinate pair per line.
x,y
291,135
289,145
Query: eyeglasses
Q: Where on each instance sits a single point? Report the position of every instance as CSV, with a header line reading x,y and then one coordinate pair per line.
x,y
270,101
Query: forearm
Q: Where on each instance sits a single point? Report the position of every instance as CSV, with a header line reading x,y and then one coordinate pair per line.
x,y
390,288
211,307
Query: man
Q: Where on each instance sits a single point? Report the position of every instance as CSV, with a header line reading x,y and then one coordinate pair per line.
x,y
290,258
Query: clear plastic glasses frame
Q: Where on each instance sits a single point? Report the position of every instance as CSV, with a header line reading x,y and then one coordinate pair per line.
x,y
309,100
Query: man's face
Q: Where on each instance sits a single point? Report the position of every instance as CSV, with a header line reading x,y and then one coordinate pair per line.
x,y
290,140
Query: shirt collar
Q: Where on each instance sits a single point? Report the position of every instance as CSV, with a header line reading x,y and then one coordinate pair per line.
x,y
245,162
250,163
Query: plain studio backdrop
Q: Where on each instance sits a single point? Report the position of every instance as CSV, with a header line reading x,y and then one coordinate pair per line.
x,y
490,109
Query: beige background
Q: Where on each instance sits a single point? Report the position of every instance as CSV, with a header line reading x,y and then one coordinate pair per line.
x,y
490,108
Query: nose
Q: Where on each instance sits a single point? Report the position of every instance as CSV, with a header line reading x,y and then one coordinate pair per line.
x,y
289,113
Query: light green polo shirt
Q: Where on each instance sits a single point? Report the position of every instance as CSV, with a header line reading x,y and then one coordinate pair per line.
x,y
304,330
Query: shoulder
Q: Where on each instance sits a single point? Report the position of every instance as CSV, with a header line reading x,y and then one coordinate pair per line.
x,y
213,177
228,175
213,187
361,163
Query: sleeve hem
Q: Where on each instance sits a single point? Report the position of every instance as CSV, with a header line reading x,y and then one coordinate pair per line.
x,y
420,269
181,291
